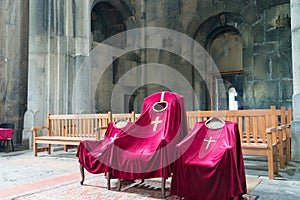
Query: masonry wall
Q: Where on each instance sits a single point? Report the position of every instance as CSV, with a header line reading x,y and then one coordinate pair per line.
x,y
265,29
58,41
13,63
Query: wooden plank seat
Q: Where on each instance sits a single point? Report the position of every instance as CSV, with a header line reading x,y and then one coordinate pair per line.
x,y
259,131
68,130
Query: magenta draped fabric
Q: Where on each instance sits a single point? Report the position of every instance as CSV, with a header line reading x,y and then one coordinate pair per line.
x,y
93,155
6,133
211,165
143,149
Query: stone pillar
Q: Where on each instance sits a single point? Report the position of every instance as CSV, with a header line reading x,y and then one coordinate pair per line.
x,y
59,35
295,30
81,87
13,64
37,100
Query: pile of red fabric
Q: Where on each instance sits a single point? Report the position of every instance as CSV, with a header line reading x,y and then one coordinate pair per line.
x,y
211,165
143,149
206,163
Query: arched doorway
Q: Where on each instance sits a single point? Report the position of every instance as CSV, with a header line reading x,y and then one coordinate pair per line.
x,y
232,103
225,47
106,21
225,36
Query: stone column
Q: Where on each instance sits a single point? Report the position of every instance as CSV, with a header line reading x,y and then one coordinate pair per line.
x,y
13,64
59,35
295,30
37,98
82,39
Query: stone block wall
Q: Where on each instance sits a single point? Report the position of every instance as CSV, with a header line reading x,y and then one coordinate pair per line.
x,y
13,64
266,35
57,49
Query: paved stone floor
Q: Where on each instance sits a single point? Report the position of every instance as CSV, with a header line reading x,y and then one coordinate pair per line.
x,y
57,176
285,186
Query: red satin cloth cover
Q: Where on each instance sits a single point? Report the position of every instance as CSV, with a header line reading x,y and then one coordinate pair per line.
x,y
211,166
6,133
143,149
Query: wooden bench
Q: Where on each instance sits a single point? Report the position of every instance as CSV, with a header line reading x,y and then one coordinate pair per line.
x,y
259,131
284,119
192,118
69,130
127,116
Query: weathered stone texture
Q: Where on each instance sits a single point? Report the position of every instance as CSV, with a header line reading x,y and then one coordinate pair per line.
x,y
13,64
266,47
251,15
261,67
281,65
285,41
60,38
265,94
287,90
258,29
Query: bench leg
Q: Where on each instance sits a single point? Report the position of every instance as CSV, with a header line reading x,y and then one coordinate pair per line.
x,y
81,168
272,162
7,146
163,187
280,148
288,146
288,149
49,148
34,148
12,145
108,179
65,148
275,160
270,170
119,184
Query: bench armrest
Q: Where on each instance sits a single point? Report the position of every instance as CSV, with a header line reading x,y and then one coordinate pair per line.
x,y
288,125
271,136
35,129
270,130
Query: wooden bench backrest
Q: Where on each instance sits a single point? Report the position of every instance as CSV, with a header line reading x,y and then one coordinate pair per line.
x,y
252,123
79,125
137,115
289,114
118,116
284,115
192,118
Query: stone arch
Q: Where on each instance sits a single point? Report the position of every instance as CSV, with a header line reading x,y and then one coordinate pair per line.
x,y
125,9
205,30
225,47
106,21
108,18
234,20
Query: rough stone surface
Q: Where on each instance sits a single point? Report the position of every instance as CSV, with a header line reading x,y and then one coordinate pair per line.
x,y
44,45
57,176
